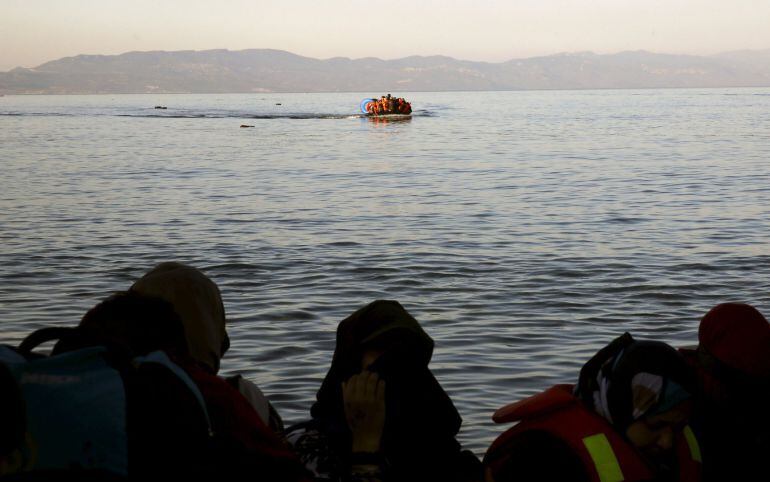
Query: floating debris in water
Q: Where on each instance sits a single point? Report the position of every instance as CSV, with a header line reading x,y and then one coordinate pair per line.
x,y
246,125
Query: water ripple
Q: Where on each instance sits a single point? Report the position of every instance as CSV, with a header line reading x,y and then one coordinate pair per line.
x,y
523,230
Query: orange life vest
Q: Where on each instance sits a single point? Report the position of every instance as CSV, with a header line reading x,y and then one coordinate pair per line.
x,y
606,456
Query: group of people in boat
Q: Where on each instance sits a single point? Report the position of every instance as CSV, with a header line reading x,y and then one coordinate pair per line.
x,y
639,410
389,105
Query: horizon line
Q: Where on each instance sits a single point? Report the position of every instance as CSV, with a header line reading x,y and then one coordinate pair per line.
x,y
576,89
560,53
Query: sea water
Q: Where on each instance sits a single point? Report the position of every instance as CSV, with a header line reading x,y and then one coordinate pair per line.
x,y
524,230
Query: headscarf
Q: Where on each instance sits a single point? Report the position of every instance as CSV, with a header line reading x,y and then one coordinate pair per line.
x,y
420,419
628,380
199,304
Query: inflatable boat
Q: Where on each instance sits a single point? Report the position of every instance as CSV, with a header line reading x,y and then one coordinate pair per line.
x,y
386,106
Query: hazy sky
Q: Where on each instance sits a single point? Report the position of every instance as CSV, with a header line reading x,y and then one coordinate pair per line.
x,y
35,31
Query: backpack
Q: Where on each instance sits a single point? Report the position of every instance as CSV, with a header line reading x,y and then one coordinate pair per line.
x,y
94,409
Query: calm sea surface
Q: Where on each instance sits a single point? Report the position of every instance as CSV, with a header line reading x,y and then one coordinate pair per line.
x,y
523,229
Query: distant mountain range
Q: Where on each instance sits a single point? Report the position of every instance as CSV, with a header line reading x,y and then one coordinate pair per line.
x,y
219,71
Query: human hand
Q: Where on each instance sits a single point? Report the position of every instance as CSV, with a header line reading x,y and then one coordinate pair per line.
x,y
363,396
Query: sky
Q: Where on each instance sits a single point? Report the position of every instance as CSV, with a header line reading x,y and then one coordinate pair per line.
x,y
35,31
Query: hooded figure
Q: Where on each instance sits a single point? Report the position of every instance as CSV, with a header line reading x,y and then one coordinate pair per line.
x,y
737,336
421,422
163,418
197,301
199,304
732,363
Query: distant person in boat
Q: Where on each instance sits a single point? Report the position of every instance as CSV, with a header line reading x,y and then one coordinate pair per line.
x,y
732,364
403,106
387,104
380,415
626,419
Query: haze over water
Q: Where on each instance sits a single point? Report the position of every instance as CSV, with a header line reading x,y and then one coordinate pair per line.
x,y
524,230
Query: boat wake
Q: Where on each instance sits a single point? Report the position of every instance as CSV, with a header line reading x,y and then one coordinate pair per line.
x,y
171,114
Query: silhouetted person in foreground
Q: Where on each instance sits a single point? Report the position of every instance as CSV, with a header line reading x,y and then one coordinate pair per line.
x,y
240,444
380,414
625,420
732,409
197,300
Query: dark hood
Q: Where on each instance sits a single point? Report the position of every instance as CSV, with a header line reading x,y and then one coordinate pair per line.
x,y
420,418
384,325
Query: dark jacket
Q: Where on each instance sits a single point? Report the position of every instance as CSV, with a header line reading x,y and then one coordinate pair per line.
x,y
421,422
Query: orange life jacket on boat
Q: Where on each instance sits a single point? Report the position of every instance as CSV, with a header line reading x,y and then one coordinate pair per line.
x,y
605,454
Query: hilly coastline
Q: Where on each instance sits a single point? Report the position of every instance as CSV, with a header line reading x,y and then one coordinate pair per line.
x,y
264,70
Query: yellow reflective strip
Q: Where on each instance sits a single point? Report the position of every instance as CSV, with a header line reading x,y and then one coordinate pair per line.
x,y
606,463
692,443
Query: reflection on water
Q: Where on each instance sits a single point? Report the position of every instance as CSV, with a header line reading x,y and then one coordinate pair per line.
x,y
523,229
389,119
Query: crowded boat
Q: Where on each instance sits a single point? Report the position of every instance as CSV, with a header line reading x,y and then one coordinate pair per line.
x,y
133,391
386,105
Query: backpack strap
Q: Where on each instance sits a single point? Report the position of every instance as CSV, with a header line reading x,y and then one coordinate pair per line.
x,y
43,335
72,338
